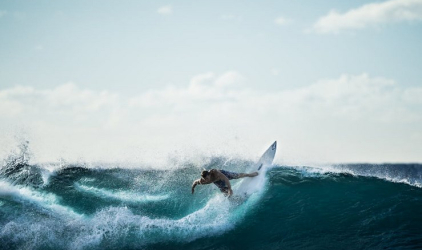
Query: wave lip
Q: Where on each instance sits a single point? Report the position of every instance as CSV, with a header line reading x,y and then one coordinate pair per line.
x,y
410,174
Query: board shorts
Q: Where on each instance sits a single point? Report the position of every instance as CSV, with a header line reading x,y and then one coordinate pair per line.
x,y
222,184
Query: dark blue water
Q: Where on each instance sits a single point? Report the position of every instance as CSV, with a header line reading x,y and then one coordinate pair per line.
x,y
75,206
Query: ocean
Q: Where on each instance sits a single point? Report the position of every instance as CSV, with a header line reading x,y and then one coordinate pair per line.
x,y
110,206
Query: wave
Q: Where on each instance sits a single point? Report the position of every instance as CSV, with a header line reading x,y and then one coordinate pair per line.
x,y
82,206
293,204
40,199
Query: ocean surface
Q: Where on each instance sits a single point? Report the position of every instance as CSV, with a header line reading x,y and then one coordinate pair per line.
x,y
107,206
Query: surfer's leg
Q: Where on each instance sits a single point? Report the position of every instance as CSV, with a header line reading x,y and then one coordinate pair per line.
x,y
252,174
242,175
233,175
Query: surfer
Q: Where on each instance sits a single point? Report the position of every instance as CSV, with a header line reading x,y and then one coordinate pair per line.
x,y
221,178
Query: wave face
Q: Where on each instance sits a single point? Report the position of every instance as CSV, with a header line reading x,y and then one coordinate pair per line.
x,y
300,207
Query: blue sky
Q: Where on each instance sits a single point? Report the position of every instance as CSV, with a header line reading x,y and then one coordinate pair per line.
x,y
332,81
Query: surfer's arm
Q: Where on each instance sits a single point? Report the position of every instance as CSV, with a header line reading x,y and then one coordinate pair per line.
x,y
198,182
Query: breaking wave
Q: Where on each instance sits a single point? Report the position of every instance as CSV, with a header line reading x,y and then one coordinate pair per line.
x,y
75,206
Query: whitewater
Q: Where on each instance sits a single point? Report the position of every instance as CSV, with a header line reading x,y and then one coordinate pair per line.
x,y
106,206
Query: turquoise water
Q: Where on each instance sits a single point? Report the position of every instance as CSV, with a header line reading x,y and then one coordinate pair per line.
x,y
299,207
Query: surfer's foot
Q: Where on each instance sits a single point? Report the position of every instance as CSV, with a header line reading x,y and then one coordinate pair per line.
x,y
253,174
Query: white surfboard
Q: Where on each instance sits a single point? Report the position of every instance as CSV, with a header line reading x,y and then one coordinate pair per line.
x,y
251,185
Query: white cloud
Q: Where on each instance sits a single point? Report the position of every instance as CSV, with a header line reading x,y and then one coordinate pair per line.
x,y
165,10
341,119
370,15
229,79
281,21
198,79
202,88
350,98
27,100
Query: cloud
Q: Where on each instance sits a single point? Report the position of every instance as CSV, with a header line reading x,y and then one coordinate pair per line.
x,y
27,101
198,79
205,87
346,116
2,13
349,97
229,79
281,21
343,118
370,15
165,10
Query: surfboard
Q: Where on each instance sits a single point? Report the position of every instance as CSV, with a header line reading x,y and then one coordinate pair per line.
x,y
267,158
251,185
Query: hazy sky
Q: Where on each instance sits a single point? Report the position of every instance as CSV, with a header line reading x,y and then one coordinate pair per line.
x,y
331,81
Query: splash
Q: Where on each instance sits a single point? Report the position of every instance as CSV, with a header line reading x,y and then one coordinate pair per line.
x,y
110,225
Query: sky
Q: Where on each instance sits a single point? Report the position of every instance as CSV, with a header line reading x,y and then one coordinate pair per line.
x,y
148,81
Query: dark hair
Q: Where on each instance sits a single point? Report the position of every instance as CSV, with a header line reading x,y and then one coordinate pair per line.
x,y
205,173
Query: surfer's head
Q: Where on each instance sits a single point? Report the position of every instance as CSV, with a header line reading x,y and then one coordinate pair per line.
x,y
205,173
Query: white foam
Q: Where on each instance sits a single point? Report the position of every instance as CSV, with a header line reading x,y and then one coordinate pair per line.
x,y
48,201
402,180
46,174
113,224
212,219
120,195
